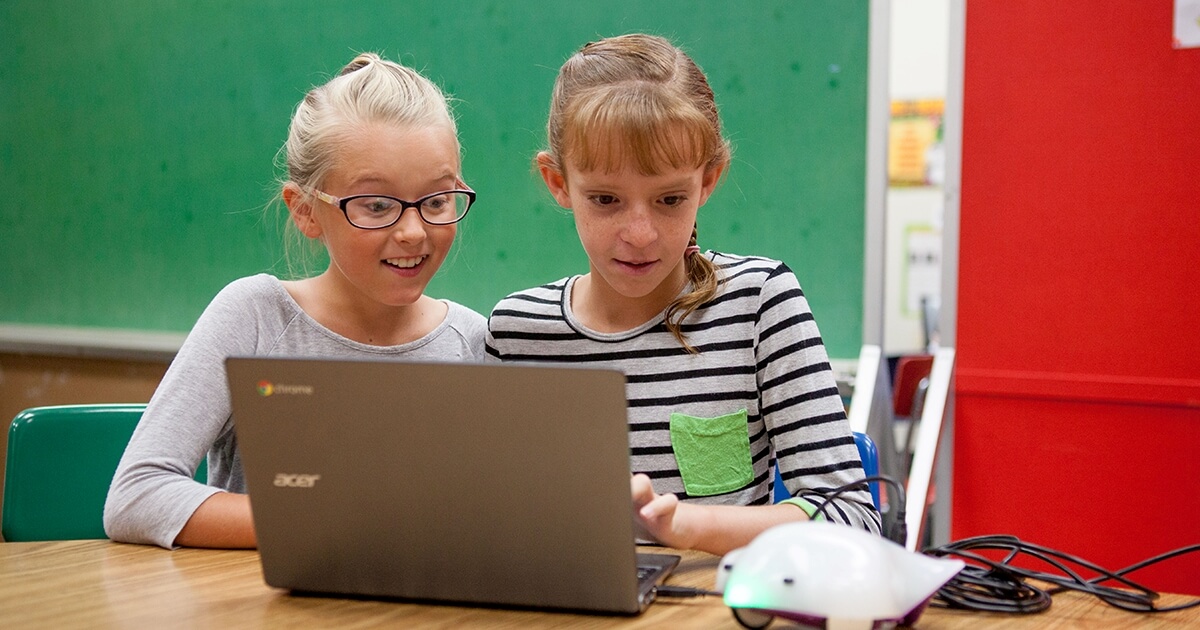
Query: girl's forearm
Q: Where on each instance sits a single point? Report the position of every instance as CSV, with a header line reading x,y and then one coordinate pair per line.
x,y
719,529
222,521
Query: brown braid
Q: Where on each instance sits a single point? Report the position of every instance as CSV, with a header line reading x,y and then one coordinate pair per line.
x,y
702,273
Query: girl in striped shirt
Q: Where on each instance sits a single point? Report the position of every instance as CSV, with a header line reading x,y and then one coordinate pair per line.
x,y
725,369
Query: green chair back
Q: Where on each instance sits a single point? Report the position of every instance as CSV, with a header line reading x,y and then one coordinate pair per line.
x,y
60,463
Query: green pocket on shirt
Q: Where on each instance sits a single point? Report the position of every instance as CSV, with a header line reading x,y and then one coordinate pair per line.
x,y
713,453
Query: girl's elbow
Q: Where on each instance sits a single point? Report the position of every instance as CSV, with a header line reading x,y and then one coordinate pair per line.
x,y
117,511
113,519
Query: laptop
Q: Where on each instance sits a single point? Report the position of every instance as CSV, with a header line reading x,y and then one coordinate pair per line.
x,y
488,484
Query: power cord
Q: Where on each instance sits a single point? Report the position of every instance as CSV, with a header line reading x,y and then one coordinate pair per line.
x,y
664,590
1001,586
898,532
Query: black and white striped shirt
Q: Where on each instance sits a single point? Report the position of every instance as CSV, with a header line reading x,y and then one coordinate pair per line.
x,y
709,427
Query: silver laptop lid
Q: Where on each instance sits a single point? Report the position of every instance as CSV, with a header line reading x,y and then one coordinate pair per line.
x,y
494,484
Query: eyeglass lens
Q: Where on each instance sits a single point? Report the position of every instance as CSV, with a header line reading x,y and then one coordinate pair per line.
x,y
372,212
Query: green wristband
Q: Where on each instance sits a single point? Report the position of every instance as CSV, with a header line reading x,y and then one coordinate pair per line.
x,y
807,506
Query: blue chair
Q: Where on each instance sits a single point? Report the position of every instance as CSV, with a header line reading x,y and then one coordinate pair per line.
x,y
59,465
870,461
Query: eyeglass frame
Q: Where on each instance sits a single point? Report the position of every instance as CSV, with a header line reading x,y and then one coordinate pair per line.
x,y
342,202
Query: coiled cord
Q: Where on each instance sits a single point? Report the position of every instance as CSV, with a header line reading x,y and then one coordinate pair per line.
x,y
1002,586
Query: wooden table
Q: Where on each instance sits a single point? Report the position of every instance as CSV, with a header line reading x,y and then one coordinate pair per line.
x,y
98,584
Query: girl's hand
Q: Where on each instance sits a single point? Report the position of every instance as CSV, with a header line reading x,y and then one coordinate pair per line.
x,y
717,529
661,516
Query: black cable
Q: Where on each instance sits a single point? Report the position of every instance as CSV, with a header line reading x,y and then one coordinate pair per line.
x,y
665,591
898,533
1001,586
1141,565
975,589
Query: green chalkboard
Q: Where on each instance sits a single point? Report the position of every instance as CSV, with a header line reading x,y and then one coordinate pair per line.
x,y
138,141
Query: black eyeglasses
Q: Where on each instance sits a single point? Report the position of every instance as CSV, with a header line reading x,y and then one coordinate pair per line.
x,y
375,212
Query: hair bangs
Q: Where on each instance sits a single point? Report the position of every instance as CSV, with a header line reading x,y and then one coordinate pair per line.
x,y
611,129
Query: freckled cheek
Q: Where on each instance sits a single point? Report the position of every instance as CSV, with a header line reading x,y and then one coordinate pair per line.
x,y
596,242
589,230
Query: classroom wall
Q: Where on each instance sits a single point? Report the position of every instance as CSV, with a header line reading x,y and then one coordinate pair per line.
x,y
918,66
918,60
37,380
1078,386
137,141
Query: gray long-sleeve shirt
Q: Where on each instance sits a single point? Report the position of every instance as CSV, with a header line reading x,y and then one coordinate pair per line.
x,y
153,495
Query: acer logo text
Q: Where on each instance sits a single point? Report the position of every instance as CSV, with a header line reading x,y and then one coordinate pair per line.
x,y
284,480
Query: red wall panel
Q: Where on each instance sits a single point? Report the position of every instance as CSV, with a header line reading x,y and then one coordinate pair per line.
x,y
1114,484
1078,335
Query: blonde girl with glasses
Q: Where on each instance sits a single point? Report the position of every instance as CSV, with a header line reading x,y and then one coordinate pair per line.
x,y
726,372
374,176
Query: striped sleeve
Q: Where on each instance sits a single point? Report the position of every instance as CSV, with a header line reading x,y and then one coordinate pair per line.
x,y
801,407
